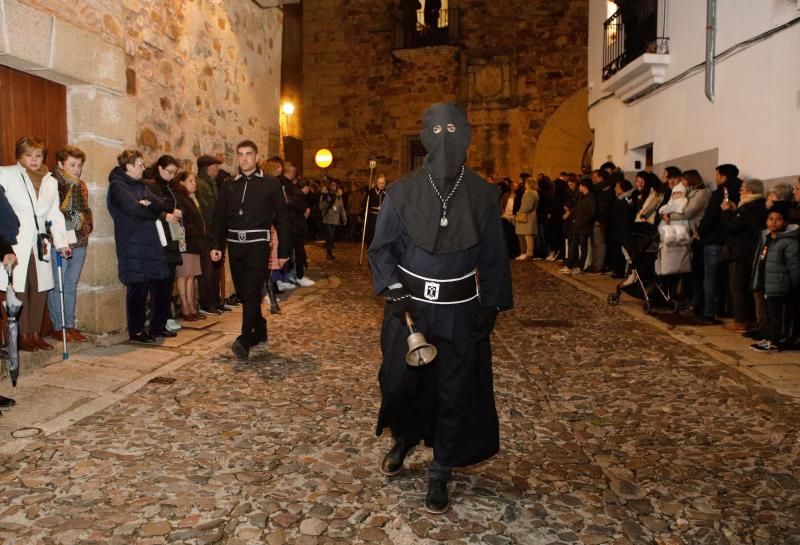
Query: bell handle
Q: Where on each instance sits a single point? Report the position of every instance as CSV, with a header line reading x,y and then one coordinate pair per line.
x,y
409,321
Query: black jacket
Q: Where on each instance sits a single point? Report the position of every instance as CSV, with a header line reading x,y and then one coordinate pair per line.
x,y
584,215
140,257
742,229
794,213
710,228
167,203
621,217
192,222
260,200
604,201
297,205
5,248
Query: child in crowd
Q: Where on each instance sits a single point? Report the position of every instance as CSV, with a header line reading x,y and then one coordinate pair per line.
x,y
776,274
678,230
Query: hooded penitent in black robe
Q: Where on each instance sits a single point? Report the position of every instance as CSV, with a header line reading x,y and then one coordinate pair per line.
x,y
448,403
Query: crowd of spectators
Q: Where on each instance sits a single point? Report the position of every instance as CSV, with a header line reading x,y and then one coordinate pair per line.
x,y
162,214
741,238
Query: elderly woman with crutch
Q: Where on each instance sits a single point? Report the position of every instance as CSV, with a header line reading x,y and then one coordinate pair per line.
x,y
33,194
74,198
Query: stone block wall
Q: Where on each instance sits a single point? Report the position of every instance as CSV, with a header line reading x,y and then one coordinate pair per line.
x,y
183,77
516,63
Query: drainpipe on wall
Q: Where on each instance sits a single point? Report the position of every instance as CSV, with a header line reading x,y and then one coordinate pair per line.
x,y
711,37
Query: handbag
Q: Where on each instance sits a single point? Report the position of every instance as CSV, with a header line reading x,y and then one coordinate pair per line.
x,y
521,217
182,239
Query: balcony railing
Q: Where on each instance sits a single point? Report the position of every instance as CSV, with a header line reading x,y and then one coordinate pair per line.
x,y
631,32
428,29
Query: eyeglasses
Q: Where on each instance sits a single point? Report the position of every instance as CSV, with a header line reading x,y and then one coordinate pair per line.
x,y
138,165
171,171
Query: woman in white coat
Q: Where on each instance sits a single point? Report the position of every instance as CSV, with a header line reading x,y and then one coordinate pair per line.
x,y
33,194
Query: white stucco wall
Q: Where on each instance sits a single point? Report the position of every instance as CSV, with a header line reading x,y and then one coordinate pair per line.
x,y
754,121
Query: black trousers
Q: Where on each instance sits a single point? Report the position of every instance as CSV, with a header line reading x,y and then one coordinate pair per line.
x,y
249,267
161,296
776,306
209,280
136,304
330,236
299,259
741,291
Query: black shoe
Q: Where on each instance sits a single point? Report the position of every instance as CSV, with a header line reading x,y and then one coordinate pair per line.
x,y
274,309
437,501
393,461
262,338
163,333
210,311
224,308
6,402
233,301
141,338
331,257
708,320
240,350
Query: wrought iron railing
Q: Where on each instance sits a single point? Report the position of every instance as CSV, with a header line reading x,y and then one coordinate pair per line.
x,y
631,32
428,29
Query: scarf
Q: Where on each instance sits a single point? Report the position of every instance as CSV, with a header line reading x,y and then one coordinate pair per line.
x,y
744,199
37,176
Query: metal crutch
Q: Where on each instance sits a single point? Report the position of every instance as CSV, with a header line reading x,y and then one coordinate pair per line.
x,y
61,296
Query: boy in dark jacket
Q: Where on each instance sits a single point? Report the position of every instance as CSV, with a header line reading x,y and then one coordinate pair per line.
x,y
776,274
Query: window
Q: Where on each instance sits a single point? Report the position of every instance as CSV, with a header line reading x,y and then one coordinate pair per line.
x,y
630,31
425,23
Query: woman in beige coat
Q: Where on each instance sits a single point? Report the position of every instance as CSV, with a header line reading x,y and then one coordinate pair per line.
x,y
525,220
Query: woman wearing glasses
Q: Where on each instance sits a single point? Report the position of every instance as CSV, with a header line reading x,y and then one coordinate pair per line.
x,y
141,260
158,178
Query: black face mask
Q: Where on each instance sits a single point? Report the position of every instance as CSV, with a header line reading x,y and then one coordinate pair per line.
x,y
446,135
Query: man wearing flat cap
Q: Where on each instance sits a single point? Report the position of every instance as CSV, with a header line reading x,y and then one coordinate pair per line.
x,y
439,253
209,282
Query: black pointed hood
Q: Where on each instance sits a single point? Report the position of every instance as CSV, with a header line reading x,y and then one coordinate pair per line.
x,y
420,207
446,135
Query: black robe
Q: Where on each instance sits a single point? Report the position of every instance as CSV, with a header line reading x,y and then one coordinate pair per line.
x,y
448,403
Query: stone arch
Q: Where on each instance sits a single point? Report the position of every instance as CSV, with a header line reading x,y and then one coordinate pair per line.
x,y
565,137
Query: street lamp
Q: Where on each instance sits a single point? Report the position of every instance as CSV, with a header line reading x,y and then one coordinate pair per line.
x,y
288,108
323,158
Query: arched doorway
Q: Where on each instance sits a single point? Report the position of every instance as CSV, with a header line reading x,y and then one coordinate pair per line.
x,y
565,138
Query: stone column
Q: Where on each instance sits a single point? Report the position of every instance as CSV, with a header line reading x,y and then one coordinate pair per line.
x,y
100,120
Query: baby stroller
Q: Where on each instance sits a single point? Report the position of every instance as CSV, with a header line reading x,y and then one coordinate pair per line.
x,y
648,263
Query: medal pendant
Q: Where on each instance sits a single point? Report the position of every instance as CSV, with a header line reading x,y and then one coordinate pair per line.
x,y
443,221
241,213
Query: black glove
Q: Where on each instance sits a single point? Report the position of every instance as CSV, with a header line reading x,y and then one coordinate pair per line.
x,y
400,302
484,323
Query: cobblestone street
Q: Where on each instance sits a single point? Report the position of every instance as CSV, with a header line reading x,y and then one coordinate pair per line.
x,y
611,432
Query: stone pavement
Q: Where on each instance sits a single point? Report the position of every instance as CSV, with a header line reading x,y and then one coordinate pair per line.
x,y
780,371
612,432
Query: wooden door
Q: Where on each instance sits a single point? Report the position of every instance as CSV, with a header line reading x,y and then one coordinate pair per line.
x,y
30,106
293,151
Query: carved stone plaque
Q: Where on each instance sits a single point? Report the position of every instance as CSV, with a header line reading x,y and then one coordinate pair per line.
x,y
490,80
